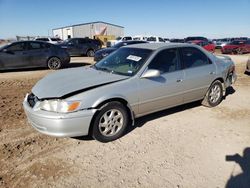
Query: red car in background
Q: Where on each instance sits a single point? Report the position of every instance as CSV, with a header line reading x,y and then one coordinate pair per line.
x,y
245,48
207,45
236,47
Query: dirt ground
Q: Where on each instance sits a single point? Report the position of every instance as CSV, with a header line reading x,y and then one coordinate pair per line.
x,y
180,147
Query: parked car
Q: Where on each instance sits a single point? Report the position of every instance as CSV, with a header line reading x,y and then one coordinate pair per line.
x,y
52,40
133,81
233,47
209,46
27,54
155,39
244,48
140,37
222,42
188,39
81,46
100,54
111,43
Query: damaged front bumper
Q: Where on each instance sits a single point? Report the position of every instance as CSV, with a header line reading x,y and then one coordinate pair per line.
x,y
59,124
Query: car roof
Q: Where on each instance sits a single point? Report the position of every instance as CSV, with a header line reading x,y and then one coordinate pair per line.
x,y
156,46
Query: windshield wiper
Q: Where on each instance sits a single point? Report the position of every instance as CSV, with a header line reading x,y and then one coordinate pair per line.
x,y
103,69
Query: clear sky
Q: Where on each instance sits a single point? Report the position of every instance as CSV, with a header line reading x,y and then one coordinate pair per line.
x,y
166,18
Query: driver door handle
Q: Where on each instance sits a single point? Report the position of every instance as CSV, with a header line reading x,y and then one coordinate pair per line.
x,y
179,80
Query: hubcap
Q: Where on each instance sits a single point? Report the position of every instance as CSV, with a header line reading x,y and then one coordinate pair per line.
x,y
54,63
111,122
214,94
91,53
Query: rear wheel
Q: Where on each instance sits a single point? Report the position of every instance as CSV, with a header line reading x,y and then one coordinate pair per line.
x,y
214,94
239,51
54,63
90,53
110,122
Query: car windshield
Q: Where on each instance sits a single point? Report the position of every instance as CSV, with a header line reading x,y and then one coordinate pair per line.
x,y
125,61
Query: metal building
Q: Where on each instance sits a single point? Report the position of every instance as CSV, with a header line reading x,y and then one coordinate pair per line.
x,y
88,30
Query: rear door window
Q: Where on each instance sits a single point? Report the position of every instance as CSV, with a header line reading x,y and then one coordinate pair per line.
x,y
166,61
193,57
35,46
82,41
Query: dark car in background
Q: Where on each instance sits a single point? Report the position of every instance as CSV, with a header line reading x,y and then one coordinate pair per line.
x,y
189,39
177,40
100,54
81,46
27,54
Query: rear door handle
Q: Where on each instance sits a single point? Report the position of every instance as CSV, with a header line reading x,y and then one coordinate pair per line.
x,y
179,80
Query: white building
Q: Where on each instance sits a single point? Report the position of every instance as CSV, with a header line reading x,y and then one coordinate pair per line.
x,y
88,30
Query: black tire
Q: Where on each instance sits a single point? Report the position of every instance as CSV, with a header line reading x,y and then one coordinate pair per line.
x,y
113,126
214,94
54,63
90,53
239,51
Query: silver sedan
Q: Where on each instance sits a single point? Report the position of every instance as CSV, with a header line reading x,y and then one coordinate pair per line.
x,y
104,99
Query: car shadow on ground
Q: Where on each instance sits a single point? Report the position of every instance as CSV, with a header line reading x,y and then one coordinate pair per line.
x,y
247,73
229,91
241,180
139,122
143,120
77,64
70,65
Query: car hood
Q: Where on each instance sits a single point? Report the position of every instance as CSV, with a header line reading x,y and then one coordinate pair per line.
x,y
106,50
71,81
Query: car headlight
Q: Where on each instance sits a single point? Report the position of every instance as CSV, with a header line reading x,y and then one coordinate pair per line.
x,y
60,106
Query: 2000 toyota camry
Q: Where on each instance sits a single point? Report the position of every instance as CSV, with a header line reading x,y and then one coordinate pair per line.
x,y
136,80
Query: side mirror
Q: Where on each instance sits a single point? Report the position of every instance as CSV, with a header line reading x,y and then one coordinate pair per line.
x,y
151,73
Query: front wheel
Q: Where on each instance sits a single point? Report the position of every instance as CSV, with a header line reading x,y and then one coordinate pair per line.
x,y
110,122
54,63
214,94
90,53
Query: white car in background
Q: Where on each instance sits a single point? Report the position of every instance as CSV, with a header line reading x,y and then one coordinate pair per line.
x,y
52,40
111,43
155,39
140,37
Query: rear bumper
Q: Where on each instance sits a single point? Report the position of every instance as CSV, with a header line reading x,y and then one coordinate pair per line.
x,y
58,124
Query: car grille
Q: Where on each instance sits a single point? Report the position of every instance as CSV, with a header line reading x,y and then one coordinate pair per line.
x,y
32,100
